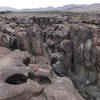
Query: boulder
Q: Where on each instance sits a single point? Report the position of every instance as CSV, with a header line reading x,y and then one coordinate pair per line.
x,y
59,92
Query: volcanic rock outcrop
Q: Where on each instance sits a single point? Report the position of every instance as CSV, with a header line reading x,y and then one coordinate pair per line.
x,y
21,79
37,54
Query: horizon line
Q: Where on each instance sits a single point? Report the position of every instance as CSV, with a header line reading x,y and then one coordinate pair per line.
x,y
45,7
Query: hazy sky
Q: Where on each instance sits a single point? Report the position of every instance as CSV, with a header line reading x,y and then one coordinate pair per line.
x,y
42,3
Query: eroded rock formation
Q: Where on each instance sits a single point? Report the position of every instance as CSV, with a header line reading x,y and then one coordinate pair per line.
x,y
38,54
23,79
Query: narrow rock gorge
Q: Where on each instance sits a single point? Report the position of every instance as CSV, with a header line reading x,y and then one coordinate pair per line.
x,y
50,58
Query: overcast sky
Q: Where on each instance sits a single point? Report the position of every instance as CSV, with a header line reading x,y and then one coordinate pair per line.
x,y
20,4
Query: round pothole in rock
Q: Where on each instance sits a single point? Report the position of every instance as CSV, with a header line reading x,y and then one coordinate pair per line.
x,y
53,60
16,79
44,81
27,61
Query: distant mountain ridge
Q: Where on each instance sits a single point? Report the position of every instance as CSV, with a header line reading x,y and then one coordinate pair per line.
x,y
71,7
39,9
8,9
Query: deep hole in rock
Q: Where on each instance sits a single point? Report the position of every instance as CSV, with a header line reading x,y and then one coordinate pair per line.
x,y
16,79
14,45
27,61
53,60
44,81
